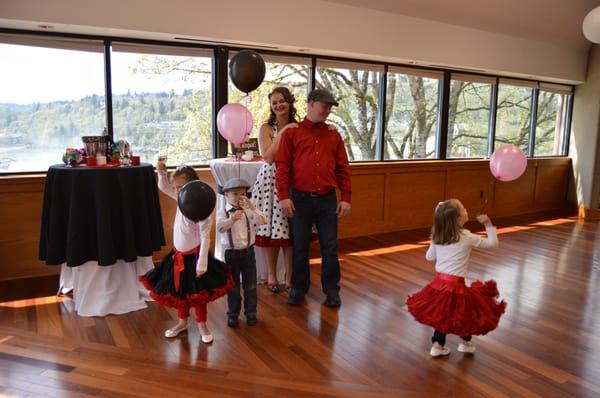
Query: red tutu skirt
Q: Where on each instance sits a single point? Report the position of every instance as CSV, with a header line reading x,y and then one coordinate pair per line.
x,y
190,291
449,306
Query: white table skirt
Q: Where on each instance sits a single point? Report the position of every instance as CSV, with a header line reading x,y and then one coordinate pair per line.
x,y
102,290
222,170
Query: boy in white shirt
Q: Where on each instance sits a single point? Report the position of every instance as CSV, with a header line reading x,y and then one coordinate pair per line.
x,y
235,227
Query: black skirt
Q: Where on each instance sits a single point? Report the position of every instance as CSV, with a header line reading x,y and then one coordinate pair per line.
x,y
193,291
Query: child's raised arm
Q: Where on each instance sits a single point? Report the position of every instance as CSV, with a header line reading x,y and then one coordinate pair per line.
x,y
492,237
163,184
224,222
255,215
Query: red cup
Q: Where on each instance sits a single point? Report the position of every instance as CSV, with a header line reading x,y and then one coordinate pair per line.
x,y
135,160
90,161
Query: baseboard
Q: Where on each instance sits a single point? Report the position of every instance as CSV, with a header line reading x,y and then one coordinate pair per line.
x,y
589,214
26,288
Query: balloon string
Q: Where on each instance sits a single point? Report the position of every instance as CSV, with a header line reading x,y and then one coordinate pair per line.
x,y
484,199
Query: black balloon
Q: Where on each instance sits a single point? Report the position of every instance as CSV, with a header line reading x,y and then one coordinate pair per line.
x,y
196,200
247,70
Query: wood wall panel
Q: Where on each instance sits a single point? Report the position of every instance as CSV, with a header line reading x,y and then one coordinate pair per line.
x,y
368,207
474,187
413,195
386,197
20,215
515,197
551,186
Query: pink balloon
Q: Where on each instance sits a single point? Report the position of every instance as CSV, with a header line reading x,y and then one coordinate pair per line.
x,y
508,163
234,122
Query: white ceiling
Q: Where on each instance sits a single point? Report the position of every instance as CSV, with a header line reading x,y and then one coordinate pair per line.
x,y
553,21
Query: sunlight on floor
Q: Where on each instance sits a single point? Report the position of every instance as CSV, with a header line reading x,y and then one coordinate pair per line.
x,y
32,302
425,243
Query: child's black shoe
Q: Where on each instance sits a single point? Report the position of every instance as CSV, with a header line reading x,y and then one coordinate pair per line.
x,y
232,321
251,319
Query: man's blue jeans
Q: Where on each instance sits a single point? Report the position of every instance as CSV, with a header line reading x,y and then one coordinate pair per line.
x,y
321,211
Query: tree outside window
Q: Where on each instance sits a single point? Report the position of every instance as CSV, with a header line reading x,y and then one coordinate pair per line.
x,y
411,113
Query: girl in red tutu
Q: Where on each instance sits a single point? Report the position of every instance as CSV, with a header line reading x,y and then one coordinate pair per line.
x,y
446,303
189,276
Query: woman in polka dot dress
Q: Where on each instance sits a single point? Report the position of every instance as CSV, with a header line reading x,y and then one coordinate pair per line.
x,y
274,235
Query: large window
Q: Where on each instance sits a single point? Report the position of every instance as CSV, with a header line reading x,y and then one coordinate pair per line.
x,y
291,72
51,94
468,116
356,87
513,119
551,119
411,113
162,101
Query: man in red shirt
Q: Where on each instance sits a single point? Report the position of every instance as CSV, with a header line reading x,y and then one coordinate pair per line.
x,y
311,163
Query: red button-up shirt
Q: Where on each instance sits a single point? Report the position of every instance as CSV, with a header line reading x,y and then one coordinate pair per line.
x,y
312,158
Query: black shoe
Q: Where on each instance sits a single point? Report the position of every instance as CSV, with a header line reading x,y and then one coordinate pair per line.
x,y
295,296
251,319
333,299
232,321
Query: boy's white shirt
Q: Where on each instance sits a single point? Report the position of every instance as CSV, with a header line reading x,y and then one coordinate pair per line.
x,y
186,233
453,258
239,234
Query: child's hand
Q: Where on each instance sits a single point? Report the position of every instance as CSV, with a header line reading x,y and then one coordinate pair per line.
x,y
200,272
161,165
485,220
237,215
246,203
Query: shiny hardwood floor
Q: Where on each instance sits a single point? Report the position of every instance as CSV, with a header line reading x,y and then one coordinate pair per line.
x,y
547,344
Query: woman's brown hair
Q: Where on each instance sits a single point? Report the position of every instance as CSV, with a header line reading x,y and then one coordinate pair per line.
x,y
445,228
289,98
187,172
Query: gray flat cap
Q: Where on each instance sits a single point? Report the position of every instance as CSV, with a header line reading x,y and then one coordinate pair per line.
x,y
321,95
234,183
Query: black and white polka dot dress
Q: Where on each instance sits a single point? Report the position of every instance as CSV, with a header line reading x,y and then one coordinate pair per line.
x,y
276,232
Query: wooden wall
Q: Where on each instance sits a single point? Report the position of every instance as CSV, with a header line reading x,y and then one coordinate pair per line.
x,y
386,197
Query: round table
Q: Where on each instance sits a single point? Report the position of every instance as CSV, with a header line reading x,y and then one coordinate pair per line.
x,y
222,170
101,225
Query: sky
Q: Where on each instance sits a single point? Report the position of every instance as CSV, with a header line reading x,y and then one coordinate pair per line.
x,y
38,74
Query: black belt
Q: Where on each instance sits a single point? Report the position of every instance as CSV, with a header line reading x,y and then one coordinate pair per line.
x,y
240,252
313,194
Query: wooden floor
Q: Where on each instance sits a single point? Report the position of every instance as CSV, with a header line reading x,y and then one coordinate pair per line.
x,y
547,344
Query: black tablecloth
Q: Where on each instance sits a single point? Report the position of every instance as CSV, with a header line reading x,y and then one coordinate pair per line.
x,y
100,214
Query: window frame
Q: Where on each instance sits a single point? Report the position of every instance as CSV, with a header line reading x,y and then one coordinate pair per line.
x,y
220,91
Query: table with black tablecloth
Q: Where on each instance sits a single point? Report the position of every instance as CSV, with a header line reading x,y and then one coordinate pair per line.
x,y
101,225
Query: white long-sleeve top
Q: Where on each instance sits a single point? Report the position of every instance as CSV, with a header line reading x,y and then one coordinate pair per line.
x,y
186,233
239,231
453,258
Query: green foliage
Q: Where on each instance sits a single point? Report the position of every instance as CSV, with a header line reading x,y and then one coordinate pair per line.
x,y
294,77
180,125
52,125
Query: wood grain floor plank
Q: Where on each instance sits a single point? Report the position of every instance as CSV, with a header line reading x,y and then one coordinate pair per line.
x,y
547,344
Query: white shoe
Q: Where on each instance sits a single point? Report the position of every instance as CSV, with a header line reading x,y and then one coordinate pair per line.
x,y
175,331
439,352
207,338
466,347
